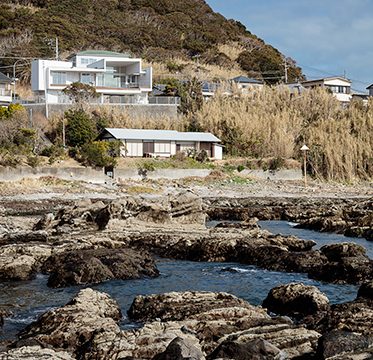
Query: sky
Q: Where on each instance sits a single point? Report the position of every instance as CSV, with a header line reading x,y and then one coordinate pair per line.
x,y
324,37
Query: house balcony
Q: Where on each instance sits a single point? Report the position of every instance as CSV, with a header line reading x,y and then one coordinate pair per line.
x,y
5,96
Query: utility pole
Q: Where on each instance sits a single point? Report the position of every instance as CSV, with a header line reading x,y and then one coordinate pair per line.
x,y
57,54
286,70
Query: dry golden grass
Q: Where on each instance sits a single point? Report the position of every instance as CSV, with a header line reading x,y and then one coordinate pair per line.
x,y
202,71
274,123
232,50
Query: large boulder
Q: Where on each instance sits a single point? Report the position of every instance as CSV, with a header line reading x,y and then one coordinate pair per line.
x,y
178,306
94,266
336,252
296,300
180,349
366,290
17,267
71,326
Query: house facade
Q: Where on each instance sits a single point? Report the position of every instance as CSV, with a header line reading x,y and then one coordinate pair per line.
x,y
163,143
245,84
5,90
117,77
370,89
339,86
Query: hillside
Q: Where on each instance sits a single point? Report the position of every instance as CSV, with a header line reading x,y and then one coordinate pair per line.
x,y
173,34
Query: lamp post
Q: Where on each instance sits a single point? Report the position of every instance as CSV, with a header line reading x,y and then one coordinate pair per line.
x,y
15,79
304,149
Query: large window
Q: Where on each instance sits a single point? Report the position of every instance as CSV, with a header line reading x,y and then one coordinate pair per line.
x,y
339,89
86,61
86,78
58,78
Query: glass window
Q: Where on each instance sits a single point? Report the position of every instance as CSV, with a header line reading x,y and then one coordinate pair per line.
x,y
58,78
86,78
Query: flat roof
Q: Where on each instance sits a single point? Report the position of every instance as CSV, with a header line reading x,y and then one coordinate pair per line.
x,y
161,135
101,53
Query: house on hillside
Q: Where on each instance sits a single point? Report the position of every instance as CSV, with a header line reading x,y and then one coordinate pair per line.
x,y
245,84
163,143
370,89
5,90
117,77
339,86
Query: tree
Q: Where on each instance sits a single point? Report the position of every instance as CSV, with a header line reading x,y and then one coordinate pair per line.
x,y
80,93
97,153
80,128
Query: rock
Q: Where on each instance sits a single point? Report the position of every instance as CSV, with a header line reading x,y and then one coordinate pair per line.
x,y
351,270
178,306
180,349
35,353
336,252
94,266
257,349
24,237
17,267
354,316
277,341
343,343
72,325
366,290
296,300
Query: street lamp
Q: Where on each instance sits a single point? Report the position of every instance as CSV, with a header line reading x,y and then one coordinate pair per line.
x,y
15,79
304,149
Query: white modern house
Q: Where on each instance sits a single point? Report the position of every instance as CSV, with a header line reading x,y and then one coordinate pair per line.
x,y
339,86
5,90
163,143
117,77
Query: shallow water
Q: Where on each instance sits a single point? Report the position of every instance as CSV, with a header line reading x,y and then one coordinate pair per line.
x,y
29,299
286,228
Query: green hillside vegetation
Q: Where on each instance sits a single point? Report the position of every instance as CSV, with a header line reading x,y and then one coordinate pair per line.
x,y
157,30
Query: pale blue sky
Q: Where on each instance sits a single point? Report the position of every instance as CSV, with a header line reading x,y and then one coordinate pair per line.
x,y
325,37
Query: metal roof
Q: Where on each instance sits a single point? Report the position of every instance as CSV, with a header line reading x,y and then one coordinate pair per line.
x,y
246,80
4,78
161,135
370,86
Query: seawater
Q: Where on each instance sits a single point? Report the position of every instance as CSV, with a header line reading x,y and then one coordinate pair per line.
x,y
29,299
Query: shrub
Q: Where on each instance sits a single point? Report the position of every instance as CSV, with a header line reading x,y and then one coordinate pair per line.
x,y
240,168
96,153
276,163
202,156
33,161
80,128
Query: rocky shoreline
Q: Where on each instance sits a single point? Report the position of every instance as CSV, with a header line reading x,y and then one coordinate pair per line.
x,y
94,241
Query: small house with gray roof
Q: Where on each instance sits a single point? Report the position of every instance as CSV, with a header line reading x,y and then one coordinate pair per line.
x,y
245,83
163,143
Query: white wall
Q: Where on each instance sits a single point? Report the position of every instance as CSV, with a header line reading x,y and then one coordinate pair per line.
x,y
218,152
40,68
134,148
337,82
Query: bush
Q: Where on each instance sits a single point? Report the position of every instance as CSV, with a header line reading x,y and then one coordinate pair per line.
x,y
80,128
276,163
240,168
96,153
202,156
33,161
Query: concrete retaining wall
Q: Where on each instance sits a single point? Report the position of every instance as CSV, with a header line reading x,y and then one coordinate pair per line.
x,y
97,175
153,111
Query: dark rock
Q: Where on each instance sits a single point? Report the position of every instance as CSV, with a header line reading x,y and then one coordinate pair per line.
x,y
257,349
342,343
94,266
24,237
366,290
336,252
180,349
296,300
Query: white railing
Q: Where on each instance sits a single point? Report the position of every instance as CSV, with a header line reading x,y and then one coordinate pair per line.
x,y
4,92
